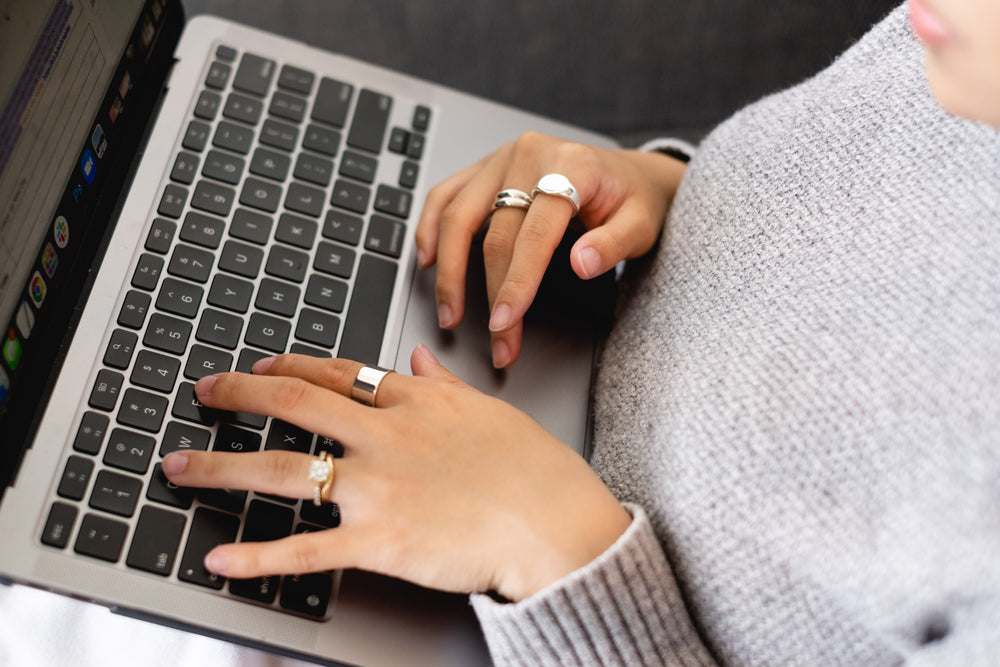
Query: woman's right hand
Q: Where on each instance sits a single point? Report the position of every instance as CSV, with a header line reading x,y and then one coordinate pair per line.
x,y
624,198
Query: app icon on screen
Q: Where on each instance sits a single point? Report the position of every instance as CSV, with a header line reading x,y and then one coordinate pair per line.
x,y
12,350
50,260
36,289
88,165
25,320
60,231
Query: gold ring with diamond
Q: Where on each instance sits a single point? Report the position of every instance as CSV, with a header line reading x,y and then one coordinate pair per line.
x,y
322,472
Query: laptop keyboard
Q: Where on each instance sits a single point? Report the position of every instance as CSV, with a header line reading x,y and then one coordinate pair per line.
x,y
279,228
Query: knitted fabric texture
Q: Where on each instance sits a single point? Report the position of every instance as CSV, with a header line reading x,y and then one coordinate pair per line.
x,y
802,393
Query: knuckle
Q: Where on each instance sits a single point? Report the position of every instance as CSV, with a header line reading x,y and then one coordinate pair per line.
x,y
498,240
288,393
281,467
306,557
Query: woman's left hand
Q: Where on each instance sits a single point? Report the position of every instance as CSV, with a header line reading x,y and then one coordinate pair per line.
x,y
439,484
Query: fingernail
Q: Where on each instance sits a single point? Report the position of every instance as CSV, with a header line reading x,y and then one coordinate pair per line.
x,y
444,316
590,262
426,351
501,354
204,385
261,366
500,320
175,463
216,561
421,259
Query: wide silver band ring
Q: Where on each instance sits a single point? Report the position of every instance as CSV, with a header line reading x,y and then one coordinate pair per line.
x,y
366,384
559,186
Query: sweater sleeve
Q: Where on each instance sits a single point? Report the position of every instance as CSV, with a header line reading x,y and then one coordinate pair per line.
x,y
624,608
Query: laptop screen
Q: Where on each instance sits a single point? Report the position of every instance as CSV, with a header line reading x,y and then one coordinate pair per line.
x,y
78,84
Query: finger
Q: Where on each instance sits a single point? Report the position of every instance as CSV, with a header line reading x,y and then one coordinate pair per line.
x,y
277,472
428,227
334,374
498,249
629,232
335,549
309,406
425,364
459,222
505,346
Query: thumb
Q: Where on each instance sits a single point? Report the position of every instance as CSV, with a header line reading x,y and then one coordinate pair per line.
x,y
423,363
630,232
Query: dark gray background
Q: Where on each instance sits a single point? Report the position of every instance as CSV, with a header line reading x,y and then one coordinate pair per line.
x,y
629,68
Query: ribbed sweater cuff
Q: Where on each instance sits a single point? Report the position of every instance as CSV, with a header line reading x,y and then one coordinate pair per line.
x,y
624,608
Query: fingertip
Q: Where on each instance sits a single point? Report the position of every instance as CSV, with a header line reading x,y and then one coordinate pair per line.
x,y
175,463
588,262
501,318
203,387
446,316
217,561
502,356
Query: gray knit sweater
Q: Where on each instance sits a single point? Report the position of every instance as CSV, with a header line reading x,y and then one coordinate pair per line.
x,y
800,401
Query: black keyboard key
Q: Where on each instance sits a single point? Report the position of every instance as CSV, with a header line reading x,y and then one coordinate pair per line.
x,y
226,53
75,477
100,537
393,201
326,515
142,410
304,199
157,538
421,118
334,259
326,293
213,198
290,107
317,328
90,434
219,328
120,349
224,167
397,140
242,108
261,194
209,529
370,119
233,137
343,227
352,196
107,386
288,437
408,174
279,135
229,500
207,105
270,164
188,407
185,168
254,75
147,272
333,99
251,226
267,332
286,263
129,451
179,297
196,137
230,293
296,231
162,490
181,437
415,146
155,371
218,75
307,593
309,351
321,139
191,263
248,358
115,493
160,236
356,165
365,323
295,79
203,360
241,259
277,297
134,309
324,444
385,236
315,169
172,201
167,334
264,522
58,525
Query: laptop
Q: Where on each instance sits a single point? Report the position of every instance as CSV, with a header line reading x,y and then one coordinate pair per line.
x,y
182,200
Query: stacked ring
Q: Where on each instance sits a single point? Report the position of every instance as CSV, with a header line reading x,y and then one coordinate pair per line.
x,y
513,198
322,472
